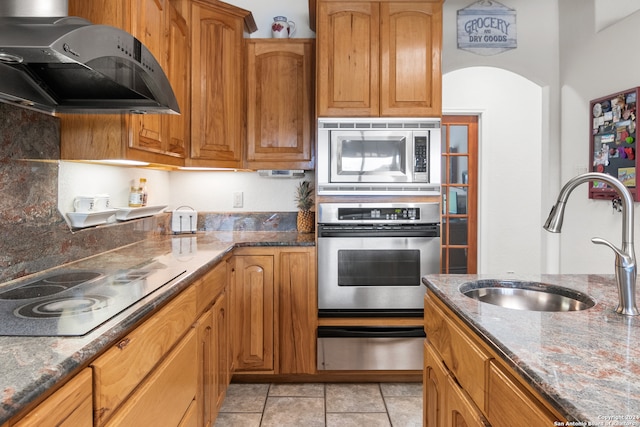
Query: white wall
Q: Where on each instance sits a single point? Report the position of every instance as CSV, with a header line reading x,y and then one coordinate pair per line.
x,y
517,93
588,72
509,238
80,179
203,191
213,191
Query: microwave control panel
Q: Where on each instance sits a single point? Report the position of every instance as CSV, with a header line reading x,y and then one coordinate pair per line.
x,y
420,154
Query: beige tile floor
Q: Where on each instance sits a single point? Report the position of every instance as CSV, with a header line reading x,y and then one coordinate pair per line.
x,y
330,405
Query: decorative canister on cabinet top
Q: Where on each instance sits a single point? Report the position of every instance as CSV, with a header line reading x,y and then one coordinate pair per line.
x,y
281,28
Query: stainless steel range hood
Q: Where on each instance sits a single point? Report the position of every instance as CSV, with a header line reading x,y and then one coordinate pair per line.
x,y
68,65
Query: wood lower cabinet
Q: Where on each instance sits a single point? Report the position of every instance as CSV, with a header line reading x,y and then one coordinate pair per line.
x,y
296,310
379,58
163,27
467,384
274,310
165,397
69,406
120,372
214,349
252,311
280,103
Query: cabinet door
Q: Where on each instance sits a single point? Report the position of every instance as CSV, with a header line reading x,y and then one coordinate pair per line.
x,y
161,26
217,97
178,71
461,412
206,370
221,348
253,313
280,120
433,388
147,25
348,59
297,311
70,406
410,42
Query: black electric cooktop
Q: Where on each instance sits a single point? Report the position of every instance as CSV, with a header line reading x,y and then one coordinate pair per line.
x,y
73,302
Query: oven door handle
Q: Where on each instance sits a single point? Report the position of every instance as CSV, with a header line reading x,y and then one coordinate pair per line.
x,y
370,332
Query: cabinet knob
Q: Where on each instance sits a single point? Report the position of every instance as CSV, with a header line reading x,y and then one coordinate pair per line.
x,y
122,344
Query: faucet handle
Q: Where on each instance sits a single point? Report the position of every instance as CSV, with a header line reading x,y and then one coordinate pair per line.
x,y
600,241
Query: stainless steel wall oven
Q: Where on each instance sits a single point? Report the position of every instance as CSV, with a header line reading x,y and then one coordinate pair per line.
x,y
371,257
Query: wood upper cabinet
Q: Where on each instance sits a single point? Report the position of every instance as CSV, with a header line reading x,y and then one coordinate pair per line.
x,y
162,26
379,58
280,104
217,75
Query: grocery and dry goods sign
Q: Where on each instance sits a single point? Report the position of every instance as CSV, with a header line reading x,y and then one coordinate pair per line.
x,y
487,28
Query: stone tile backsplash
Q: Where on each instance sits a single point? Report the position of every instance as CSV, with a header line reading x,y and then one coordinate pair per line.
x,y
34,234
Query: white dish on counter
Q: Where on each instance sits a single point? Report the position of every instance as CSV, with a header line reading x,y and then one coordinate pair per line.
x,y
124,214
89,219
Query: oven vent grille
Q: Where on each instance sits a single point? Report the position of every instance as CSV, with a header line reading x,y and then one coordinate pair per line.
x,y
379,189
433,124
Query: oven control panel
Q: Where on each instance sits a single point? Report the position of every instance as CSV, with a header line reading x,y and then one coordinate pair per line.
x,y
378,213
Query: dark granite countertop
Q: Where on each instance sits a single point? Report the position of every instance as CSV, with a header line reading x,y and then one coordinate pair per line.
x,y
585,363
29,366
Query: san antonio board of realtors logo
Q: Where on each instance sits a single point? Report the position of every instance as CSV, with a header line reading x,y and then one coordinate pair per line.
x,y
487,28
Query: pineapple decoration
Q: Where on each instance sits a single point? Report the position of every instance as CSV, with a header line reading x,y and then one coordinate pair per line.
x,y
304,200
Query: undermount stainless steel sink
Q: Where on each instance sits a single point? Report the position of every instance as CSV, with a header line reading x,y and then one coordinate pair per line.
x,y
530,296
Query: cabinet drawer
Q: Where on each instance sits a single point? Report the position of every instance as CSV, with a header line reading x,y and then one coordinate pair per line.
x,y
69,406
509,403
165,397
118,371
210,286
464,358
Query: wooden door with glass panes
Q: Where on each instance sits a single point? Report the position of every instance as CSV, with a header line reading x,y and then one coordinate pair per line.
x,y
459,194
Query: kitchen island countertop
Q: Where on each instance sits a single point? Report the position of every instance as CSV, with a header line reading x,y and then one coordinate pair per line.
x,y
585,363
30,366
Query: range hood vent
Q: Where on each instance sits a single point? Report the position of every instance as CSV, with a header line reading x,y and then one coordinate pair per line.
x,y
68,65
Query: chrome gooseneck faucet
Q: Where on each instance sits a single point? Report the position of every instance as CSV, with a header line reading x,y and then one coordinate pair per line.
x,y
626,269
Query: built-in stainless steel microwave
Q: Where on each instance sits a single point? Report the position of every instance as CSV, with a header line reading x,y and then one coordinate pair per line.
x,y
376,156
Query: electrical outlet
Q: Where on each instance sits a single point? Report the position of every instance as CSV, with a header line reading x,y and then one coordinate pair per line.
x,y
237,199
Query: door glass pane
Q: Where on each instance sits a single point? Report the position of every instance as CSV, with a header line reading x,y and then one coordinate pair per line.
x,y
457,200
458,231
457,260
458,169
459,139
